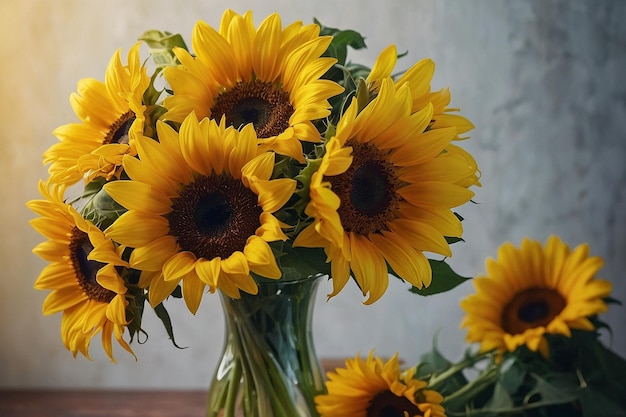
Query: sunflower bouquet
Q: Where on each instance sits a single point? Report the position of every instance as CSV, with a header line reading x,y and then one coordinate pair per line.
x,y
534,317
260,156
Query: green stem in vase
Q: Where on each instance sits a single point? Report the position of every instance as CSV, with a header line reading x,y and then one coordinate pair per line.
x,y
266,378
268,367
231,392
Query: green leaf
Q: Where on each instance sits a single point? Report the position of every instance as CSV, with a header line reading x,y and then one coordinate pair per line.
x,y
500,398
161,44
342,39
444,279
433,362
602,373
511,375
296,263
557,390
596,403
164,316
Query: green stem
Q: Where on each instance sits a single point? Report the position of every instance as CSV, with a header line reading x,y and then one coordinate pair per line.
x,y
266,375
469,361
231,392
469,390
268,367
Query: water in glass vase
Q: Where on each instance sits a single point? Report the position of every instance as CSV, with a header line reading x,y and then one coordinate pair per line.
x,y
268,366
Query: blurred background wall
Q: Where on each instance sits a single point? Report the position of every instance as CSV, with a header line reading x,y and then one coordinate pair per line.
x,y
543,81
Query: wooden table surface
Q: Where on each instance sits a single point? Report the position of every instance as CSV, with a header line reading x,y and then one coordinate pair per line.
x,y
102,403
110,403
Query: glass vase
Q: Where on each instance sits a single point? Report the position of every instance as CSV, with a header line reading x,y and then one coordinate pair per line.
x,y
268,367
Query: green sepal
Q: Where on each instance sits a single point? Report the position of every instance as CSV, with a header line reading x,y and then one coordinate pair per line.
x,y
451,240
134,312
612,300
177,292
363,97
153,110
293,211
285,167
100,209
151,95
93,187
304,177
444,279
153,114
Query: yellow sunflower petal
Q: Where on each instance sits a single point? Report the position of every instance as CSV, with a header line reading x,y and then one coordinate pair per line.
x,y
435,194
270,229
384,64
160,289
136,229
179,265
116,310
261,258
274,194
208,270
62,299
434,141
207,41
266,43
56,275
133,195
193,288
236,263
369,268
108,278
261,167
154,254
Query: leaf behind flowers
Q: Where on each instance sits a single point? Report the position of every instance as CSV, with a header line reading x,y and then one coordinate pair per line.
x,y
444,279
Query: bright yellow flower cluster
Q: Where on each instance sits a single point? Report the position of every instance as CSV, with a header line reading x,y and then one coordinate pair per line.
x,y
252,152
532,291
373,387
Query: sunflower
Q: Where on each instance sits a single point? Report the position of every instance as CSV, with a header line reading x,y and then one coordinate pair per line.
x,y
373,388
418,78
82,274
200,206
112,117
269,77
533,291
390,199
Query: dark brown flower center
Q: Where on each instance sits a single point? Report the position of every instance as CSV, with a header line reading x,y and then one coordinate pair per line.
x,y
367,190
85,269
387,404
118,131
531,308
214,216
263,104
